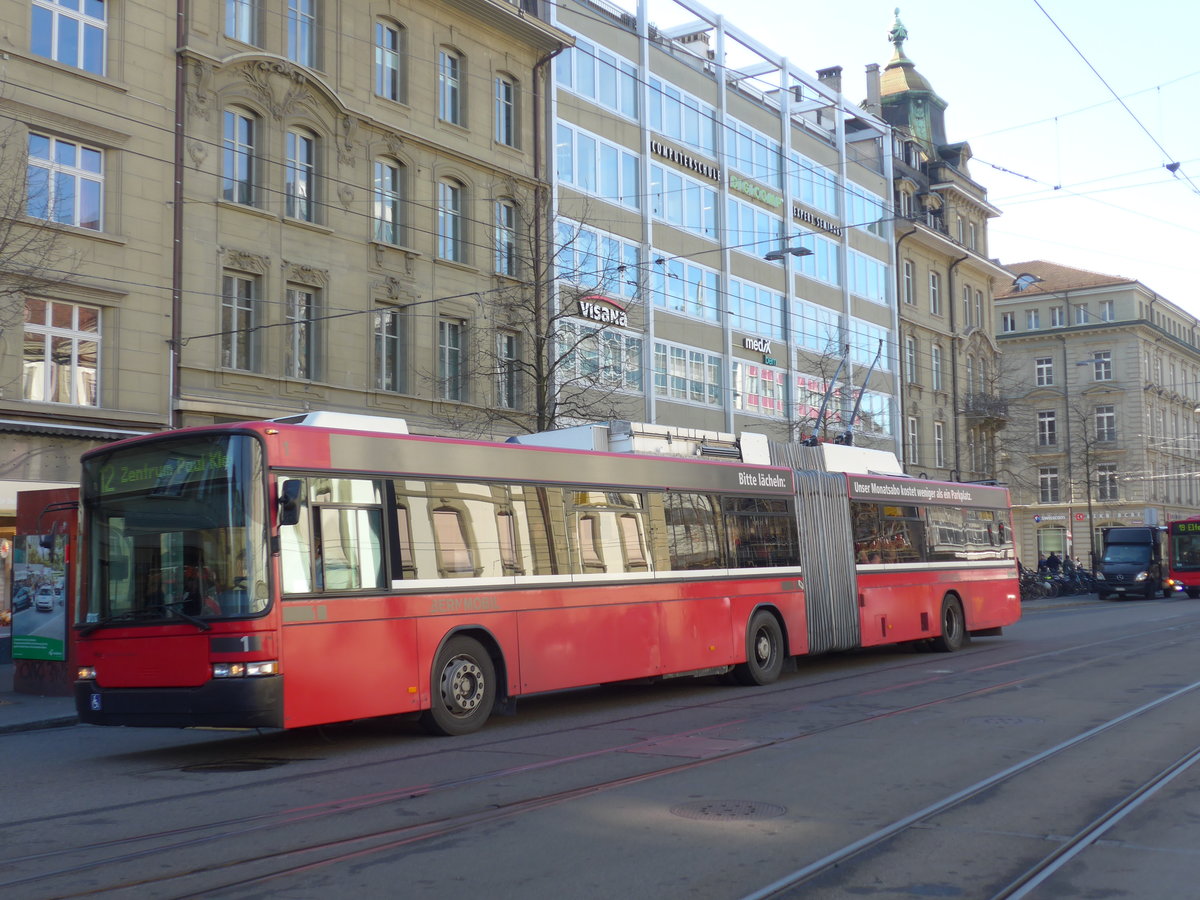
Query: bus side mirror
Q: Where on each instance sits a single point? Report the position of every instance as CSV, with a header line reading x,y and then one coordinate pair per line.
x,y
289,501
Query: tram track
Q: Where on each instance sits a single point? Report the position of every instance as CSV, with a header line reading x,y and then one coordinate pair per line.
x,y
247,870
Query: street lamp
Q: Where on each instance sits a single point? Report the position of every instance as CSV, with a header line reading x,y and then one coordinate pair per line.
x,y
776,255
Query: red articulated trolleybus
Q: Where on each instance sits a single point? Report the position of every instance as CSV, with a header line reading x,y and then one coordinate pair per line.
x,y
330,567
1183,555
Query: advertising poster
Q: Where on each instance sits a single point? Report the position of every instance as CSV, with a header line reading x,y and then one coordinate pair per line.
x,y
39,596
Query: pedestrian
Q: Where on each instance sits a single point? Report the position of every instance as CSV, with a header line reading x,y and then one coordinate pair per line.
x,y
1053,563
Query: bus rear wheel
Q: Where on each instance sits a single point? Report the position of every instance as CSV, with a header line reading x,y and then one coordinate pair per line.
x,y
764,651
463,688
954,627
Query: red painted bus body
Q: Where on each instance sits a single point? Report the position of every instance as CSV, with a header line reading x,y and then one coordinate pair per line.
x,y
1183,555
272,574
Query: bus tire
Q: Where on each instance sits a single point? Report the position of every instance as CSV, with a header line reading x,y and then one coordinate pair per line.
x,y
764,651
954,627
463,688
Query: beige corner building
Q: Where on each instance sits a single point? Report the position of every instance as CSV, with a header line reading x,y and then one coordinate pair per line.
x,y
1102,376
952,414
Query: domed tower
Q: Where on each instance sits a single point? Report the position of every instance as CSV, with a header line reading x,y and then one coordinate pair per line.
x,y
908,100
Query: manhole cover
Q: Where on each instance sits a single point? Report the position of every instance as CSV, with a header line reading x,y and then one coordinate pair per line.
x,y
728,810
255,764
1007,721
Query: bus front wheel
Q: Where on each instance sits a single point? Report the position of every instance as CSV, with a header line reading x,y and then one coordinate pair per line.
x,y
463,688
954,627
764,651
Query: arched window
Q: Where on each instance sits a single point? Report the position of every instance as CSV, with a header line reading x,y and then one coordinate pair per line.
x,y
451,79
390,61
238,159
387,208
507,130
450,225
300,181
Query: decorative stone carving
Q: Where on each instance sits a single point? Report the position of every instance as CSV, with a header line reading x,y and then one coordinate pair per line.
x,y
196,90
246,262
347,125
198,151
280,86
302,274
346,195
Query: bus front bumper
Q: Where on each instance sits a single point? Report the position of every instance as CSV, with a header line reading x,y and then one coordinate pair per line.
x,y
220,703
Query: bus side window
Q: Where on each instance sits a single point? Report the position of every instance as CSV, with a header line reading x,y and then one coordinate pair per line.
x,y
351,549
295,545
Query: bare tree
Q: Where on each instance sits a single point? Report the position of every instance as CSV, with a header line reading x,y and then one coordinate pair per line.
x,y
550,346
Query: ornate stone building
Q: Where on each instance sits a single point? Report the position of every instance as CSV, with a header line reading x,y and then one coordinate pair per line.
x,y
951,412
256,208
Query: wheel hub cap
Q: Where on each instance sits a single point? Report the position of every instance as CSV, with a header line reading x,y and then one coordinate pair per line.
x,y
462,685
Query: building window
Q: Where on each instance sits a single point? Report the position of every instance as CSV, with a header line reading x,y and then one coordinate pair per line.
x,y
909,296
450,74
65,182
1082,316
1107,311
935,293
71,32
1048,484
910,359
241,20
450,359
914,442
970,375
506,238
935,361
301,333
1044,371
388,194
389,350
966,307
1008,322
979,308
239,317
506,370
301,175
506,111
1106,423
62,353
389,74
1058,317
1047,425
1106,482
591,356
237,161
1033,320
302,32
939,444
971,239
1102,366
450,221
688,374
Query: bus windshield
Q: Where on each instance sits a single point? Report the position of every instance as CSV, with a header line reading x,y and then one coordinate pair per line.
x,y
175,529
1185,548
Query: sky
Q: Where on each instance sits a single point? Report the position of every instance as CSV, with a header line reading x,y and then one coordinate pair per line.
x,y
1072,109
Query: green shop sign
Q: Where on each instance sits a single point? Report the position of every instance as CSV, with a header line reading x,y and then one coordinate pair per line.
x,y
750,189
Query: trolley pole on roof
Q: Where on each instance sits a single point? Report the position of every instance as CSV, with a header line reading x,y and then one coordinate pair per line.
x,y
814,439
847,436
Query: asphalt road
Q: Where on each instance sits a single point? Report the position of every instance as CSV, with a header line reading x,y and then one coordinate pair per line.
x,y
1054,761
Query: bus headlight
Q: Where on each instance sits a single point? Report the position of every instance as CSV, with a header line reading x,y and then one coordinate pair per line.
x,y
86,673
246,670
